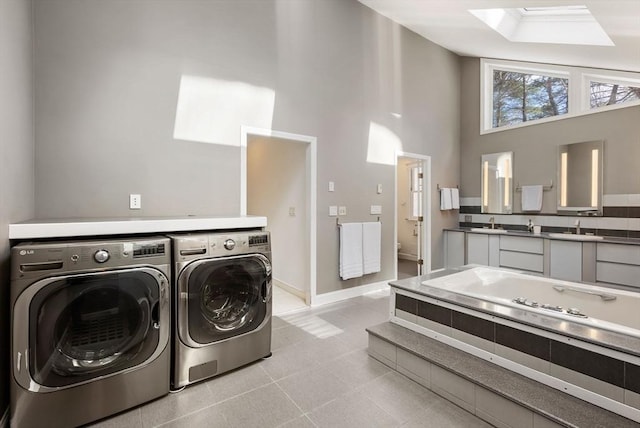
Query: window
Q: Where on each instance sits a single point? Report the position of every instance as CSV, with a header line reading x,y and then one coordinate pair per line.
x,y
520,97
516,94
606,94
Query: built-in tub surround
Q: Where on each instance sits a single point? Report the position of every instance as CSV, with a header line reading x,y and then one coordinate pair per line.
x,y
593,359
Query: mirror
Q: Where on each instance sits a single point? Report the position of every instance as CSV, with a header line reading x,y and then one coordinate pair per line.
x,y
497,183
580,178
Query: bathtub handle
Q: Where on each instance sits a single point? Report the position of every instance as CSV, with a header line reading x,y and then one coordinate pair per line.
x,y
603,296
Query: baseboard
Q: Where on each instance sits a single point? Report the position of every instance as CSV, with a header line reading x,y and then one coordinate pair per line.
x,y
348,293
289,288
408,256
4,422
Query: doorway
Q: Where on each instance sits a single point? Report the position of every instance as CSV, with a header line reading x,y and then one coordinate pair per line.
x,y
413,221
278,182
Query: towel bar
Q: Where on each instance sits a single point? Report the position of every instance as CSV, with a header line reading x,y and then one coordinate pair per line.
x,y
544,187
440,188
340,224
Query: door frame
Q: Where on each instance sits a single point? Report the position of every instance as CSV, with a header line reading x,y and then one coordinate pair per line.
x,y
426,209
311,165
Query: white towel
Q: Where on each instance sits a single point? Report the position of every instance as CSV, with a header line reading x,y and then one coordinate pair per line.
x,y
445,199
351,250
371,238
532,198
455,198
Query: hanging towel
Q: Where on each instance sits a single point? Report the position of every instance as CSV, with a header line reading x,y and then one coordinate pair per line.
x,y
445,199
532,198
371,238
350,250
455,198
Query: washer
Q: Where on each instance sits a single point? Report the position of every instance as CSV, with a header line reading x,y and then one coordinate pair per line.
x,y
91,322
222,303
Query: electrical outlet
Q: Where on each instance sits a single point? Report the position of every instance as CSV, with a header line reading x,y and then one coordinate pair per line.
x,y
342,210
468,218
292,211
333,210
135,201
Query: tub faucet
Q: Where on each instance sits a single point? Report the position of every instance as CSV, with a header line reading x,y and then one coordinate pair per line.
x,y
577,227
493,222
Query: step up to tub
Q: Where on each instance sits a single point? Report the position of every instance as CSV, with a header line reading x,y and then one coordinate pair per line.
x,y
497,395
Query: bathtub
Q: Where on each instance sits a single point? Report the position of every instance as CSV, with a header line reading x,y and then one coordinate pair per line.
x,y
579,338
599,307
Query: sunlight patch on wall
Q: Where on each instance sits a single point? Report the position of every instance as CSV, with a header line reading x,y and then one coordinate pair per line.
x,y
383,144
213,110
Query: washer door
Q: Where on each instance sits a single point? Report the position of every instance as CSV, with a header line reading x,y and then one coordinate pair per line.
x,y
225,297
86,326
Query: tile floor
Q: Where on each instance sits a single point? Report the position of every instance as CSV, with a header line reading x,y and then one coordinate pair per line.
x,y
407,268
319,376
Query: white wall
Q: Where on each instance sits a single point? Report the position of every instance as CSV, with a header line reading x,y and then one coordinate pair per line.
x,y
16,150
108,77
276,182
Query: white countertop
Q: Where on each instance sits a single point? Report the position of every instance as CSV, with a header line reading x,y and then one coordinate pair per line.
x,y
58,228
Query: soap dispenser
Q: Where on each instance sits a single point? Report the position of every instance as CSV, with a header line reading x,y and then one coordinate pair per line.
x,y
530,226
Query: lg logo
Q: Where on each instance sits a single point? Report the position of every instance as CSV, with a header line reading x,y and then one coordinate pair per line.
x,y
26,252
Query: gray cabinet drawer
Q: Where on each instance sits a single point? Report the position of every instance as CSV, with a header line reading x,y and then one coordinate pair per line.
x,y
524,261
616,273
522,244
618,253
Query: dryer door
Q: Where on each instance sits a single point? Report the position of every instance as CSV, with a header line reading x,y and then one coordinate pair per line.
x,y
225,297
86,326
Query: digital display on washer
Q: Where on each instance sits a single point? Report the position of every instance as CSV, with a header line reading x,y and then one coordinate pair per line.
x,y
258,240
147,250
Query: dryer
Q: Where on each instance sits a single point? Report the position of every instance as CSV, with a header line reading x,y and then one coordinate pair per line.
x,y
90,323
222,303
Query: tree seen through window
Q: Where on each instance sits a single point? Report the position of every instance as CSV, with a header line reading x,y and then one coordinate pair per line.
x,y
521,97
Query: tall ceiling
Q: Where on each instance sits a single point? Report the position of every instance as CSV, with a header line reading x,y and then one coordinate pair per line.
x,y
450,24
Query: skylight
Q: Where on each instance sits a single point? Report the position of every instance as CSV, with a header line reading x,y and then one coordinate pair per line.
x,y
556,24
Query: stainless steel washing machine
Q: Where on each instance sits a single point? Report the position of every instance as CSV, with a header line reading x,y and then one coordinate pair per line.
x,y
91,323
222,303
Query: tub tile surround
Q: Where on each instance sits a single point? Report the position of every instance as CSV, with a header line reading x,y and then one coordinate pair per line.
x,y
497,395
580,360
563,357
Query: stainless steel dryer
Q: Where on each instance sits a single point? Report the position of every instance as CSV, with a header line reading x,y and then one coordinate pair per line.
x,y
222,303
90,329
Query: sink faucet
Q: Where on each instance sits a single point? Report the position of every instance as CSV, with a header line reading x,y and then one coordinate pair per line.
x,y
493,222
577,227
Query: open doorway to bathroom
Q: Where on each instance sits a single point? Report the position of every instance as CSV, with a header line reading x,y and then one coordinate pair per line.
x,y
412,219
279,171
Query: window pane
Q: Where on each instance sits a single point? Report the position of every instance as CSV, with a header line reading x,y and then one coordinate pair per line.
x,y
521,97
606,94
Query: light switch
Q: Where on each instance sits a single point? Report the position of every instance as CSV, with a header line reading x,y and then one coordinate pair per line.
x,y
333,210
342,210
379,189
376,209
292,211
332,186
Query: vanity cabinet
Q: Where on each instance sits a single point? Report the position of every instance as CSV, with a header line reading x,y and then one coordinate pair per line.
x,y
582,261
522,253
454,253
483,249
565,260
618,264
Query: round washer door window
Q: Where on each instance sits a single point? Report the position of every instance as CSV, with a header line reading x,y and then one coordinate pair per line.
x,y
88,326
227,297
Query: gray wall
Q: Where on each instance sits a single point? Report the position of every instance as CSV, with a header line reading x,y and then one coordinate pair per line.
x,y
16,150
108,77
535,146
